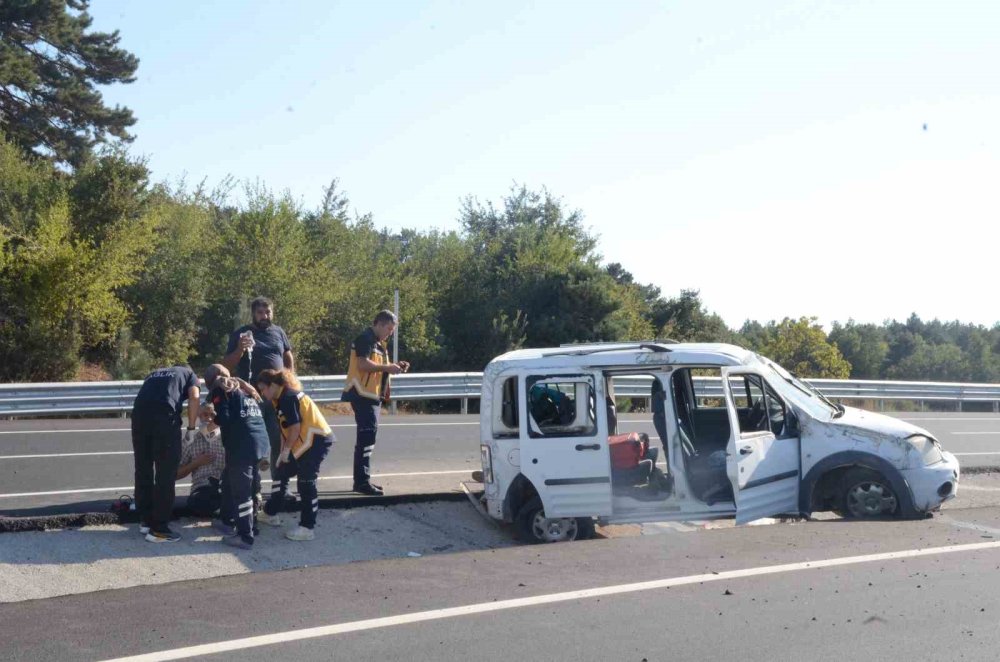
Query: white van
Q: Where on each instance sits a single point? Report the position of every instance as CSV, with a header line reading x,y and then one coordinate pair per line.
x,y
741,437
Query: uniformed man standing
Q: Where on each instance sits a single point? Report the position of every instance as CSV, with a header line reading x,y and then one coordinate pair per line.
x,y
156,445
367,387
262,345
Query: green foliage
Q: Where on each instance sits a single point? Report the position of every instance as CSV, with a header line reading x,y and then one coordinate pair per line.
x,y
98,263
50,62
685,319
60,285
864,346
801,346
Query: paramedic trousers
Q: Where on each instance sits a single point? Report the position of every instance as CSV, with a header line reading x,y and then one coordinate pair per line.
x,y
366,415
305,469
156,446
238,482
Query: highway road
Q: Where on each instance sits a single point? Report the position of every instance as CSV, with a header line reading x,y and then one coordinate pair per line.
x,y
832,590
81,465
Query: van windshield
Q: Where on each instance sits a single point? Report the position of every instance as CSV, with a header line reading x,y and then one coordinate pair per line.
x,y
803,394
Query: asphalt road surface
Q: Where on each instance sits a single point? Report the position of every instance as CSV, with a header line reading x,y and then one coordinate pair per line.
x,y
827,590
82,465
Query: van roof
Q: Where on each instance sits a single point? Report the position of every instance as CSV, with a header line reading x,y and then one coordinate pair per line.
x,y
625,353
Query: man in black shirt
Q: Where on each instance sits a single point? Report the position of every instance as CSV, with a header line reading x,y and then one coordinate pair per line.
x,y
156,445
262,345
367,387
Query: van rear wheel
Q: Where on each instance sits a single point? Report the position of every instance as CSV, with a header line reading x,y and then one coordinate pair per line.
x,y
535,528
866,494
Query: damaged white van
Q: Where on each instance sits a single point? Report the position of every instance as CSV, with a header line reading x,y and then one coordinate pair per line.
x,y
741,438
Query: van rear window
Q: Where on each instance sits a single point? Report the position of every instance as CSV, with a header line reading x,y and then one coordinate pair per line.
x,y
561,406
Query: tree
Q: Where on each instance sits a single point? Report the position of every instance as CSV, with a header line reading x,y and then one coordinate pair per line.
x,y
531,276
50,65
687,320
864,346
801,346
175,285
60,286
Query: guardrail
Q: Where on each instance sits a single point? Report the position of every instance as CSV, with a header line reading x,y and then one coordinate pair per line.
x,y
841,389
117,397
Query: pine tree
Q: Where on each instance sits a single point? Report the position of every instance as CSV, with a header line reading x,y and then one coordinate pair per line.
x,y
50,64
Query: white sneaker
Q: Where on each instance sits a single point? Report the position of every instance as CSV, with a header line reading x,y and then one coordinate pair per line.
x,y
270,520
300,533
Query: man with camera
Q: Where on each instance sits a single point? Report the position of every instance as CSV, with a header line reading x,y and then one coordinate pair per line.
x,y
367,387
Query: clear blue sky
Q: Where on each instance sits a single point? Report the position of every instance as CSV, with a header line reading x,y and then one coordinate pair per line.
x,y
786,158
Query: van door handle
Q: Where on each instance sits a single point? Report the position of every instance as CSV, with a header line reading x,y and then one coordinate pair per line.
x,y
588,447
746,450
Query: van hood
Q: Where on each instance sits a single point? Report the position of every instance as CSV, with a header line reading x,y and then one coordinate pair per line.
x,y
879,423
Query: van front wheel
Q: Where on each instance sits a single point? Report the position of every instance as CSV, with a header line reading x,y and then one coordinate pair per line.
x,y
866,494
534,527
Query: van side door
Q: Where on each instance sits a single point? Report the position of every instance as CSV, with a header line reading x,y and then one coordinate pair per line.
x,y
763,456
564,442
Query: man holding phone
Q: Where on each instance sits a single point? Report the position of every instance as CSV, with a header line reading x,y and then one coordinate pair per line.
x,y
367,387
253,348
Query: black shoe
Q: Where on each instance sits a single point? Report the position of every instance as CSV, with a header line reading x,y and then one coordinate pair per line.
x,y
162,535
369,489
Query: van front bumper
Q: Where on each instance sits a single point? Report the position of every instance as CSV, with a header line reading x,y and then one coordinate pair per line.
x,y
933,485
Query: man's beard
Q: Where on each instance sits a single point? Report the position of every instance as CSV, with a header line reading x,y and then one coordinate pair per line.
x,y
262,324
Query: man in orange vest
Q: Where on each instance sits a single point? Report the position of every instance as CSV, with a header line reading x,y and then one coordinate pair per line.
x,y
367,388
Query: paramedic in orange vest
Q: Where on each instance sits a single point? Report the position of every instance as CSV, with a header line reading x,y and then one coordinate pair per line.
x,y
367,388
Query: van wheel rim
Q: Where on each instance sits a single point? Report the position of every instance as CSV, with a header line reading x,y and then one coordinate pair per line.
x,y
871,500
555,529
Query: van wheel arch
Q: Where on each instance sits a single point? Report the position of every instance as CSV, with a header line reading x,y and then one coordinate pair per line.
x,y
520,492
820,488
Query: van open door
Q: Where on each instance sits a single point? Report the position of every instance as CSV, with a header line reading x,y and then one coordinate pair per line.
x,y
763,460
564,442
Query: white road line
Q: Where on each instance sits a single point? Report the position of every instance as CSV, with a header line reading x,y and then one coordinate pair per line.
x,y
32,457
339,425
268,480
995,419
534,601
983,453
60,431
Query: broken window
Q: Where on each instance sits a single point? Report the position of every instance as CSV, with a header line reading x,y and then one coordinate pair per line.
x,y
563,406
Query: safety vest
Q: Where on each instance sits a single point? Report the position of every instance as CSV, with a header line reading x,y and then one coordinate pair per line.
x,y
297,407
369,385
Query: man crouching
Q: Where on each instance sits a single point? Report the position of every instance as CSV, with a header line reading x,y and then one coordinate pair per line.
x,y
245,440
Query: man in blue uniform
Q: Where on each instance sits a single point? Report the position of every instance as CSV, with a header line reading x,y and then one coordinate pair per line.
x,y
368,373
262,345
156,445
244,438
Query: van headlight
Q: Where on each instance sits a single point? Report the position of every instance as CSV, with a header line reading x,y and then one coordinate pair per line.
x,y
487,463
929,449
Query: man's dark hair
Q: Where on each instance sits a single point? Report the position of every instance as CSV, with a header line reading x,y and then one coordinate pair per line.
x,y
384,316
260,302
